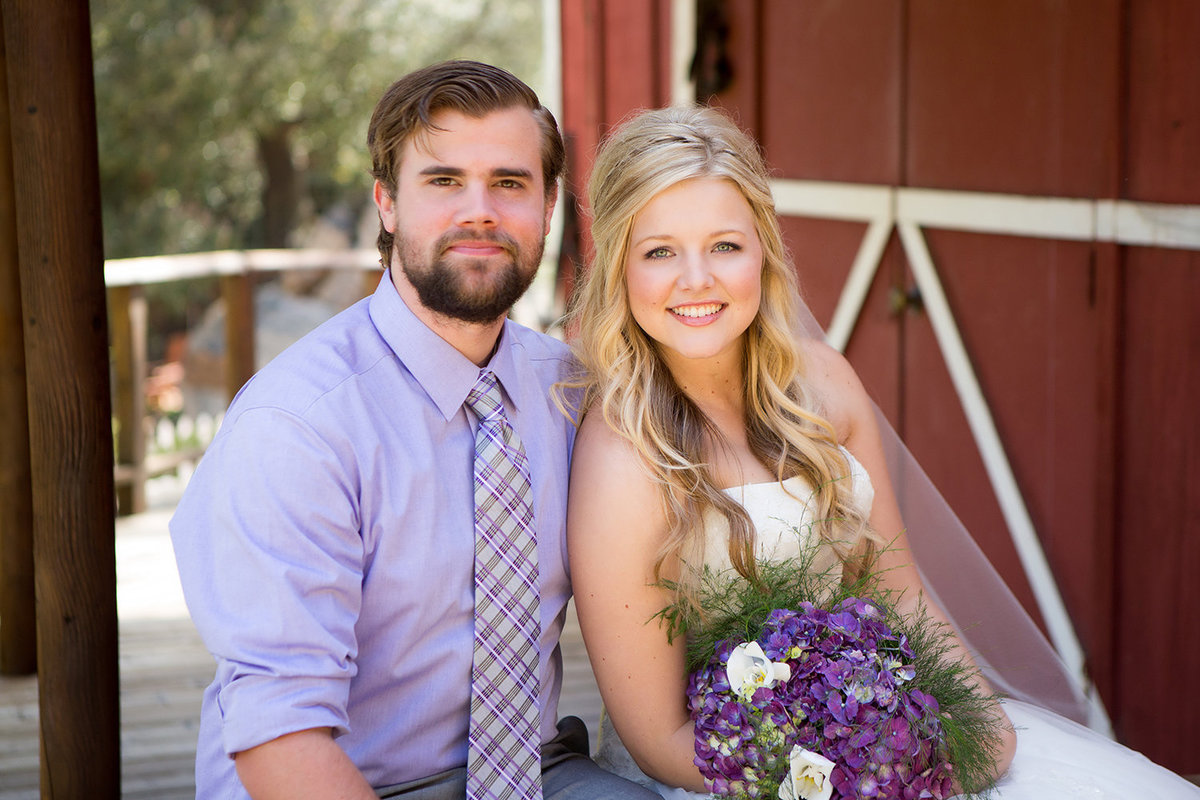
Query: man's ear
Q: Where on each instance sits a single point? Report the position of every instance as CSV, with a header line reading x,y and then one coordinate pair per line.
x,y
386,203
551,201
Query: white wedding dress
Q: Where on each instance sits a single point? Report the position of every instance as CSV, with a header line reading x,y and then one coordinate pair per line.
x,y
1056,758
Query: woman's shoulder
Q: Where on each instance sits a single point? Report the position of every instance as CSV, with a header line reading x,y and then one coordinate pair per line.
x,y
604,454
838,390
597,436
826,366
613,501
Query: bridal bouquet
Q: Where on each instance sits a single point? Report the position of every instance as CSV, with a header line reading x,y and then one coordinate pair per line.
x,y
821,701
842,698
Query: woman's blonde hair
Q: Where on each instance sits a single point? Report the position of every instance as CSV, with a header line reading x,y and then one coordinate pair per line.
x,y
626,380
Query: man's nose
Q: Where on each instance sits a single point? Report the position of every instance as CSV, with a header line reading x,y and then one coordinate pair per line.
x,y
477,206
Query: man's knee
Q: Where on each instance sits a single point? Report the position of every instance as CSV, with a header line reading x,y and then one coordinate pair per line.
x,y
568,773
579,778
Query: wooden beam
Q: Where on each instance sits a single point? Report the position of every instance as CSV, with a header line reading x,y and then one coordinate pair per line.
x,y
238,293
128,323
18,631
59,236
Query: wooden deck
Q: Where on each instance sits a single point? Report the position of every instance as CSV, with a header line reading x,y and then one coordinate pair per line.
x,y
164,669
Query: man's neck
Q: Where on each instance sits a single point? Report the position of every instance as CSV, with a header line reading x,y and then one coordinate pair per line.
x,y
475,340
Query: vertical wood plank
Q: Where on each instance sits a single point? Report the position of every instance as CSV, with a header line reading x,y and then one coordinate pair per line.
x,y
370,281
1108,263
56,177
583,92
238,293
831,90
128,322
1157,554
1163,115
18,631
1158,550
632,53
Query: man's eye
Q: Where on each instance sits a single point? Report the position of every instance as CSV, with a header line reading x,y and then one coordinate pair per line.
x,y
508,183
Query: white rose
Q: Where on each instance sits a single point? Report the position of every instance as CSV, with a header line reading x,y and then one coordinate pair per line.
x,y
748,669
808,778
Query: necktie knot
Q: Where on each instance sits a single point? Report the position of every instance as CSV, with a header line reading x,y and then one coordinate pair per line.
x,y
484,399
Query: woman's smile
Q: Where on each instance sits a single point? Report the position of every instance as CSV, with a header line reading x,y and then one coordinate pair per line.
x,y
698,314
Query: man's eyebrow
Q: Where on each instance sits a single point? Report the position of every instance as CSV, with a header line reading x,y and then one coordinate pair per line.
x,y
441,169
511,172
458,172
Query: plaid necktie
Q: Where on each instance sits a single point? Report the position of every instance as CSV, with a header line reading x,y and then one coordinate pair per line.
x,y
504,752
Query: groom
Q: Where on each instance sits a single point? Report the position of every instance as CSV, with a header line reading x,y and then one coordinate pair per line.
x,y
328,542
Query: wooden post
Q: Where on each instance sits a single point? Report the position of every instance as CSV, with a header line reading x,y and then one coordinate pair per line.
x,y
238,293
59,238
370,281
18,631
128,321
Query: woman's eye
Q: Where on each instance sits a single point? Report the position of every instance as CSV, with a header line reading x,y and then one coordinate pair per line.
x,y
658,252
727,247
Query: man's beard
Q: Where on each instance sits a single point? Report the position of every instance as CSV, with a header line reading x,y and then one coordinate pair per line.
x,y
443,288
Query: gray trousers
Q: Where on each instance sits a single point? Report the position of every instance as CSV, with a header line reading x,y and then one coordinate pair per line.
x,y
567,774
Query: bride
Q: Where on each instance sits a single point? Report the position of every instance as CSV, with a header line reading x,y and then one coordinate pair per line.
x,y
712,431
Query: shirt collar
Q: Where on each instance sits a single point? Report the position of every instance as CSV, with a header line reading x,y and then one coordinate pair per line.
x,y
445,374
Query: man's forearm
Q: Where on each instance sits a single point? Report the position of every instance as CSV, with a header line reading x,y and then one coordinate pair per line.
x,y
301,765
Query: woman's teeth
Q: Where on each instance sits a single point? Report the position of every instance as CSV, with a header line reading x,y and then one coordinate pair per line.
x,y
697,311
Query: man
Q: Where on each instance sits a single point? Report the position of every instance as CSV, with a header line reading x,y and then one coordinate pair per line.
x,y
327,541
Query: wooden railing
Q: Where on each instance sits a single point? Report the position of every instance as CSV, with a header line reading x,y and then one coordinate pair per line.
x,y
126,279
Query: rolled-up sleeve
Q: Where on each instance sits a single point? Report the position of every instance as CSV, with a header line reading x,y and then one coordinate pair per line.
x,y
271,560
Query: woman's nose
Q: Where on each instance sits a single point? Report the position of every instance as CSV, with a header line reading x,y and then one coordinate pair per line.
x,y
696,273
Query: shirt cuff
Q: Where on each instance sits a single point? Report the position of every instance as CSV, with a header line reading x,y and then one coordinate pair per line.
x,y
256,709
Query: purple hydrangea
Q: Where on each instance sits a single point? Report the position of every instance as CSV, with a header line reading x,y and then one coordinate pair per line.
x,y
849,698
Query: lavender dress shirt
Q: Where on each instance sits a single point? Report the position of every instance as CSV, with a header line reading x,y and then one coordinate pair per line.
x,y
325,543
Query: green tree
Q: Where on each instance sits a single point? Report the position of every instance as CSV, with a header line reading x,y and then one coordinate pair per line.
x,y
231,123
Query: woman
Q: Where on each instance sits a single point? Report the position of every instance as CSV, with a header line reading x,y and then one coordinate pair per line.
x,y
708,422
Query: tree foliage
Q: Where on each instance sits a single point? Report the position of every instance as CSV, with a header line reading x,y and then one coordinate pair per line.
x,y
232,123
